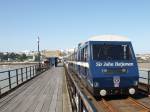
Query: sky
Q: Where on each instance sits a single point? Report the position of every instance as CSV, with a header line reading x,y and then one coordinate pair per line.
x,y
62,24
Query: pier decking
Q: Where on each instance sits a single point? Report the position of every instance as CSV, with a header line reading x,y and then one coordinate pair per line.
x,y
45,93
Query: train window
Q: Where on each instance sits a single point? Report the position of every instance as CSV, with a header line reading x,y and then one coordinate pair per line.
x,y
112,52
80,55
84,54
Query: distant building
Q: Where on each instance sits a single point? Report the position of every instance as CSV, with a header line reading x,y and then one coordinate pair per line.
x,y
48,54
143,57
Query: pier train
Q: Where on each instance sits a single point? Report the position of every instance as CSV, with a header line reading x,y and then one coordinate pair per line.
x,y
107,65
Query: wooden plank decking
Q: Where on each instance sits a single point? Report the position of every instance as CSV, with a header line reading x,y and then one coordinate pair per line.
x,y
45,93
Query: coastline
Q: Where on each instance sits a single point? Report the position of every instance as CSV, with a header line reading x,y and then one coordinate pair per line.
x,y
17,63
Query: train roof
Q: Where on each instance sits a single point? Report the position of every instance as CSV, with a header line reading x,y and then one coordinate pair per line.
x,y
109,38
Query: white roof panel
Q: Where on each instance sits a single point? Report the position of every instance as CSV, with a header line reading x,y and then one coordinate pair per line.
x,y
109,38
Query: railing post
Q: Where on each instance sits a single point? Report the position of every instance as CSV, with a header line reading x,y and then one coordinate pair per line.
x,y
80,108
80,105
148,77
22,74
33,70
30,71
0,91
9,78
148,81
17,76
26,73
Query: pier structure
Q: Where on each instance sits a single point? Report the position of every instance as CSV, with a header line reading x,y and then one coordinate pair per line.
x,y
45,93
58,89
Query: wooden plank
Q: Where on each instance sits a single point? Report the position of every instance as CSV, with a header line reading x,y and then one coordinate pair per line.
x,y
45,93
49,98
59,97
40,104
23,102
66,100
15,93
40,97
14,104
36,102
54,98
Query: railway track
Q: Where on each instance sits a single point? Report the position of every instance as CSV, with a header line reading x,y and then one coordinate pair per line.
x,y
124,105
117,104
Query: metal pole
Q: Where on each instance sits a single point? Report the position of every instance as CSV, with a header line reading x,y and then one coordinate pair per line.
x,y
22,74
148,81
148,77
9,78
38,41
30,72
26,73
80,104
17,76
0,91
33,70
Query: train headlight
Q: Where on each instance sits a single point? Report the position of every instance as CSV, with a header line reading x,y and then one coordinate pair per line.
x,y
103,92
132,91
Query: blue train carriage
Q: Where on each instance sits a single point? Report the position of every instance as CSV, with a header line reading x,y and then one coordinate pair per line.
x,y
107,64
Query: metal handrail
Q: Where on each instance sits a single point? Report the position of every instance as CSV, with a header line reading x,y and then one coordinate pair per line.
x,y
148,75
16,69
84,102
148,80
21,74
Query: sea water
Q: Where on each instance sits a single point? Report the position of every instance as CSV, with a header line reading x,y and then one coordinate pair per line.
x,y
4,74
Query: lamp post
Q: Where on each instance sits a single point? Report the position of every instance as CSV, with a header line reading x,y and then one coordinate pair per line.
x,y
38,42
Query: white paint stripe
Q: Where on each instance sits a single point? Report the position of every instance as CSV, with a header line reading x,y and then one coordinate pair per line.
x,y
84,64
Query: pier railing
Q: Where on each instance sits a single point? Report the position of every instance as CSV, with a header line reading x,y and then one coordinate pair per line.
x,y
144,80
11,79
79,101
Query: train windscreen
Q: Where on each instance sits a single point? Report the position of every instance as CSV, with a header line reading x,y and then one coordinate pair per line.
x,y
112,52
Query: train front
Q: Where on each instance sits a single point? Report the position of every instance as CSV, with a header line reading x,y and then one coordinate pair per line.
x,y
113,68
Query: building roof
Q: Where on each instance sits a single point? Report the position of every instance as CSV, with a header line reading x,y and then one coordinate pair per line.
x,y
109,38
49,54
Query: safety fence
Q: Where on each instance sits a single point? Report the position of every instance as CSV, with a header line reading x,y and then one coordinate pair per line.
x,y
144,80
13,78
79,101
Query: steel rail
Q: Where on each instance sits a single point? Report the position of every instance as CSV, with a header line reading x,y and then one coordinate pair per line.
x,y
86,101
138,103
108,106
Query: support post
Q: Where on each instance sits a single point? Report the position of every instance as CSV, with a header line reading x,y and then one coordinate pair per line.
x,y
33,70
17,76
9,78
39,55
26,73
22,74
80,104
0,91
149,82
30,72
